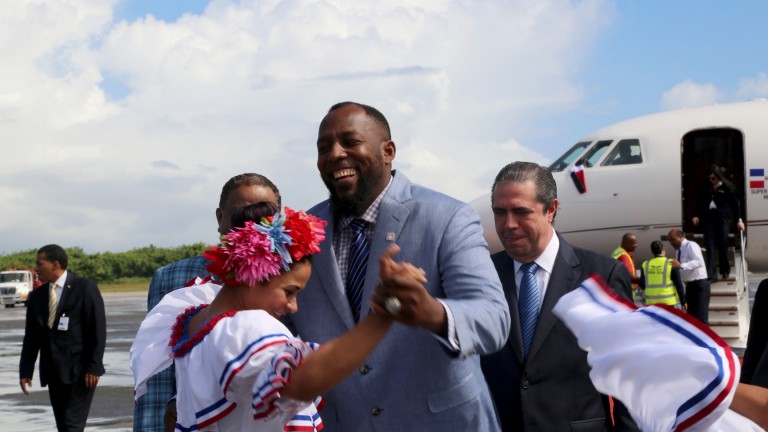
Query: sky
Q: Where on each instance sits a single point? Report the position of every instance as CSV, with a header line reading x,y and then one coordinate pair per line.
x,y
120,120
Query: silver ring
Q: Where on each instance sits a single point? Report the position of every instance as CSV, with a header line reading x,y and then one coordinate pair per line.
x,y
392,305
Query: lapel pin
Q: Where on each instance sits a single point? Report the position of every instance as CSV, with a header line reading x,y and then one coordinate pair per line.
x,y
390,236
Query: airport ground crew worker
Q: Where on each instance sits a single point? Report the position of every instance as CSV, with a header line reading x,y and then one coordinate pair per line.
x,y
661,280
623,253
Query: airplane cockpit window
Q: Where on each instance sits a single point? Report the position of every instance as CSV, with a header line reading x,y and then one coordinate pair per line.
x,y
626,152
566,159
595,153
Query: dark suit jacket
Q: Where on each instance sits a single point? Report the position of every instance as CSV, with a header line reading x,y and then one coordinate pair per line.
x,y
552,391
65,356
754,368
724,199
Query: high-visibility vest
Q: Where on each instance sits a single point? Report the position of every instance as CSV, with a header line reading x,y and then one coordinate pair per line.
x,y
618,253
658,282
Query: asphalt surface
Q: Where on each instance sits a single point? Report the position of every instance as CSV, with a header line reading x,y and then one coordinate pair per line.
x,y
112,408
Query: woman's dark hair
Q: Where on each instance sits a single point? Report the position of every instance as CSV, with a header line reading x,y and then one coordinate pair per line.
x,y
252,213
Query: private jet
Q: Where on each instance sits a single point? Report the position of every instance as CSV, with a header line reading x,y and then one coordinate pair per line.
x,y
644,176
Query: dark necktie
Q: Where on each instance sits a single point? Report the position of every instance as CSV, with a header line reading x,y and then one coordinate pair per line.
x,y
528,303
358,262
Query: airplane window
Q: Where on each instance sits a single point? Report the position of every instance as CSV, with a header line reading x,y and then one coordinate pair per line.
x,y
566,159
594,154
626,152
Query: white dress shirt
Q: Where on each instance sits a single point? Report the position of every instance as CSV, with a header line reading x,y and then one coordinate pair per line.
x,y
692,264
546,262
59,285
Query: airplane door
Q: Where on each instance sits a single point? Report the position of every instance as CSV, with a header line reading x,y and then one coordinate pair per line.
x,y
701,150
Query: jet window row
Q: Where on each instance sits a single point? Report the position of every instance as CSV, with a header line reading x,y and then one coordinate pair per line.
x,y
624,152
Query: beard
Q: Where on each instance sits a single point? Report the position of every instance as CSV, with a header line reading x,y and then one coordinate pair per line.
x,y
358,203
355,205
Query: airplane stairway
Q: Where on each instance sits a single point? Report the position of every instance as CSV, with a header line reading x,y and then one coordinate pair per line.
x,y
729,305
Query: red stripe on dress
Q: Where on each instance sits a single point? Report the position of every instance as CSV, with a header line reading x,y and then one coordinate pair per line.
x,y
217,417
245,361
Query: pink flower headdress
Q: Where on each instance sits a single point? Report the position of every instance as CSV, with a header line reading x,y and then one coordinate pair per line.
x,y
258,251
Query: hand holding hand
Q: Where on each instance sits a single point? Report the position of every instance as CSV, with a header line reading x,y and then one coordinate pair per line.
x,y
403,283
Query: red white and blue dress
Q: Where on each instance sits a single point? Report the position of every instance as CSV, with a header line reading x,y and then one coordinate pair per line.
x,y
230,373
671,371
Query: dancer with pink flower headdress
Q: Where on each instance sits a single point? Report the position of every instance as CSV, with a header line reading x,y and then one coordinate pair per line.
x,y
238,367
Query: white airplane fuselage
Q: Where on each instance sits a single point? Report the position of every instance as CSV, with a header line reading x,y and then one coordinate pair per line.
x,y
659,187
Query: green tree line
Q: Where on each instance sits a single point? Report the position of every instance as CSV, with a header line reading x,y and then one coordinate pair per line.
x,y
110,266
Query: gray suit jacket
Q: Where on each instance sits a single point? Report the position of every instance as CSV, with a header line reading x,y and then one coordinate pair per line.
x,y
412,381
551,389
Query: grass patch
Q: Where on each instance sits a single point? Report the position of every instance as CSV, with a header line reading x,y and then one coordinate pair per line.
x,y
125,285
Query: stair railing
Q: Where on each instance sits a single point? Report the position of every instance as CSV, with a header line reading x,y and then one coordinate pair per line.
x,y
743,263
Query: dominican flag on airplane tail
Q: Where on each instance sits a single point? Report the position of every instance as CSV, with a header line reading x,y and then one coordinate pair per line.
x,y
577,174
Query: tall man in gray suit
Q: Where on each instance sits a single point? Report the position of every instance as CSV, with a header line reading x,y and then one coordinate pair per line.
x,y
425,375
540,379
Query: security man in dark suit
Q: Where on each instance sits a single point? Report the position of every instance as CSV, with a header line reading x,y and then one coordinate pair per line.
x,y
754,368
66,324
716,208
540,379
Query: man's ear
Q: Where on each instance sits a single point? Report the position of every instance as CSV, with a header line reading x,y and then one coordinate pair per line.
x,y
389,150
552,210
219,215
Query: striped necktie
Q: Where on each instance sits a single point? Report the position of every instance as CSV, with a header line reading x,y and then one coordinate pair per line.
x,y
358,262
528,304
52,305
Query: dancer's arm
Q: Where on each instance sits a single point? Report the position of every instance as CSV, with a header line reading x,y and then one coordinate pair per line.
x,y
752,402
338,358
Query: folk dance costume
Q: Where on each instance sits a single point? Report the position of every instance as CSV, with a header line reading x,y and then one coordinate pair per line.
x,y
229,374
231,370
671,371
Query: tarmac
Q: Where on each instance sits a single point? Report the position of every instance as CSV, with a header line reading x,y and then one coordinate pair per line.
x,y
112,408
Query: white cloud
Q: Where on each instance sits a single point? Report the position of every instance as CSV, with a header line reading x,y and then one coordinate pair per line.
x,y
755,87
243,86
689,94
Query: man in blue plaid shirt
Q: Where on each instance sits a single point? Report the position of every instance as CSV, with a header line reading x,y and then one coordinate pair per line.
x,y
242,190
